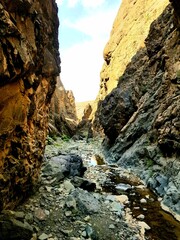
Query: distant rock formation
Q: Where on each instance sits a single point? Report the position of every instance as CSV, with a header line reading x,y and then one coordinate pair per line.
x,y
63,116
84,127
141,116
29,66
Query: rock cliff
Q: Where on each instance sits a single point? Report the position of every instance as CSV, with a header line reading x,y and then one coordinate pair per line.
x,y
63,116
141,116
130,28
29,66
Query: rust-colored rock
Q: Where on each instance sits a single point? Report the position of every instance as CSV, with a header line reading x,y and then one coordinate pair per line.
x,y
29,65
63,118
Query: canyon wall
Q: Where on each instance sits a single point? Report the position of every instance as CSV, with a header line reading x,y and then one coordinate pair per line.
x,y
130,28
29,66
141,116
63,116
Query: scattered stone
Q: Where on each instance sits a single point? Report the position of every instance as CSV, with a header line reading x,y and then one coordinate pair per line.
x,y
70,202
40,214
83,234
87,218
122,199
68,213
68,185
116,207
122,187
143,200
141,217
144,225
47,212
112,226
66,232
84,184
43,236
90,232
86,202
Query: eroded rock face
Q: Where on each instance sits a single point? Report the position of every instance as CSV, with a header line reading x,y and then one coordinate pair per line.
x,y
141,117
130,28
29,65
63,118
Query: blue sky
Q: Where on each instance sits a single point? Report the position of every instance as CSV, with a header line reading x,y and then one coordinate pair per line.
x,y
85,27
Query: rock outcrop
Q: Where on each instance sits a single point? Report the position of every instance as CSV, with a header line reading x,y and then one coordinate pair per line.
x,y
130,28
63,116
29,66
141,116
84,128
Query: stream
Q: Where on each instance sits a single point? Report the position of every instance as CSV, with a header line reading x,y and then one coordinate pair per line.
x,y
143,203
96,201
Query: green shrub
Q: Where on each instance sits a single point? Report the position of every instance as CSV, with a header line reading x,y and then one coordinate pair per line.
x,y
65,138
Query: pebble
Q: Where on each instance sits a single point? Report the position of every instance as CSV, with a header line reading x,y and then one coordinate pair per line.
x,y
83,234
141,217
122,198
48,189
143,200
47,212
43,236
144,225
87,218
68,213
111,226
40,214
68,185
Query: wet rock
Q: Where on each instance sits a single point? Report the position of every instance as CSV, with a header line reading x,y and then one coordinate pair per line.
x,y
121,187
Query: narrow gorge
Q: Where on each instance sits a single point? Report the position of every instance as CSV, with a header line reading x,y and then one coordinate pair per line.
x,y
115,172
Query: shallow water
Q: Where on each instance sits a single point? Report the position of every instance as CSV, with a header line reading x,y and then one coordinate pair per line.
x,y
143,202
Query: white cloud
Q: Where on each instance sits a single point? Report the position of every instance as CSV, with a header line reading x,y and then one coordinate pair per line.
x,y
59,2
72,3
84,3
96,25
81,65
91,3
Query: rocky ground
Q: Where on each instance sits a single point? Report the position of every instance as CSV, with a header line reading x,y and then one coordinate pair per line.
x,y
80,197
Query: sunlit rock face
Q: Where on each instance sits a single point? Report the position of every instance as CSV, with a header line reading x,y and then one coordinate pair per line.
x,y
141,116
63,116
130,28
29,65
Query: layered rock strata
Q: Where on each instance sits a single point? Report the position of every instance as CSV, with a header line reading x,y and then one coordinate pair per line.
x,y
63,116
141,116
29,65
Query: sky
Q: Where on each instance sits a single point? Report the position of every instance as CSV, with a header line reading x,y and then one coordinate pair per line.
x,y
85,27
